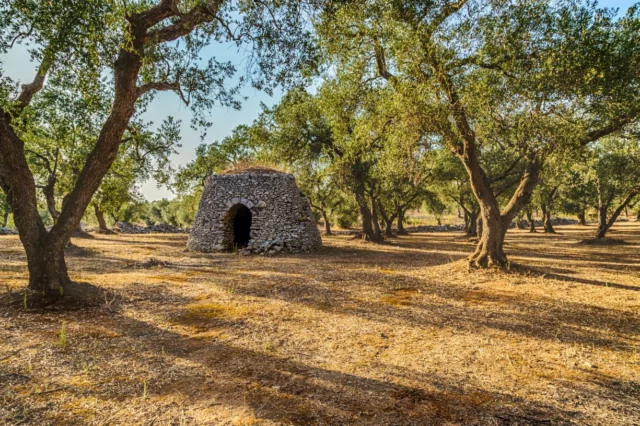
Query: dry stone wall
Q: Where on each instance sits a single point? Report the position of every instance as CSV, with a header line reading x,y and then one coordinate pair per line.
x,y
281,219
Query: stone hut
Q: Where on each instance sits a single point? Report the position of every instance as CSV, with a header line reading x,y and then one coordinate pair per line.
x,y
254,210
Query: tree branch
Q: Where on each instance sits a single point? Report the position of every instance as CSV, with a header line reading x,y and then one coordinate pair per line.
x,y
522,195
45,161
163,86
200,14
616,124
29,90
381,62
448,10
506,173
154,15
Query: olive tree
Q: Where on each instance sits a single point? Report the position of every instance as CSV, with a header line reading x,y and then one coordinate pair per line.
x,y
130,50
526,78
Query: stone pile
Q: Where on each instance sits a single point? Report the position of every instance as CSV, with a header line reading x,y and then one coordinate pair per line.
x,y
554,221
434,228
164,228
8,231
129,228
277,215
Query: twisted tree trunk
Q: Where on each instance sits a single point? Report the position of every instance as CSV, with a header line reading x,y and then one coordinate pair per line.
x,y
532,224
374,219
400,221
603,224
471,227
546,219
388,220
582,218
327,224
368,232
45,250
102,223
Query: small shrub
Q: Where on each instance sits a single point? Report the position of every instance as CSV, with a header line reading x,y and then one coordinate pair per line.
x,y
63,336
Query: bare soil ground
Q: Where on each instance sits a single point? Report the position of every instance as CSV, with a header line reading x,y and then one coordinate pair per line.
x,y
395,334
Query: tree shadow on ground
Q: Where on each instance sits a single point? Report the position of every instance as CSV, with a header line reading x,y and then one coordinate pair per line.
x,y
550,273
407,300
285,390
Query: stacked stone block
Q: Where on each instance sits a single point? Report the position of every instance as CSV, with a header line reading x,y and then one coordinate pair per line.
x,y
281,219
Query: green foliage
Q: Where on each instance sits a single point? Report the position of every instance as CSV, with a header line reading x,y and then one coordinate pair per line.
x,y
62,336
346,215
239,147
613,169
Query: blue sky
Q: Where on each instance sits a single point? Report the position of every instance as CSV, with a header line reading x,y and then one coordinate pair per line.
x,y
17,65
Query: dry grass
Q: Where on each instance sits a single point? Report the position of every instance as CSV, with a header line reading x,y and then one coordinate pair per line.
x,y
252,166
356,334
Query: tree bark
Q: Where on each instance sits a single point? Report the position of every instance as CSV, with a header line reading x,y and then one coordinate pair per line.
x,y
374,219
546,211
327,224
368,232
546,219
490,248
400,222
5,219
388,220
48,274
49,194
102,223
472,225
532,224
45,255
603,224
582,218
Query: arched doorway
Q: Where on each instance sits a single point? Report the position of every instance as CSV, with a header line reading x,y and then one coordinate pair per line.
x,y
238,224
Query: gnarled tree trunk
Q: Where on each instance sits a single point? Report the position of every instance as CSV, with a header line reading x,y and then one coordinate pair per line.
x,y
368,232
582,218
400,222
546,220
102,223
45,250
47,268
603,224
532,223
374,219
388,220
495,222
490,248
471,226
327,224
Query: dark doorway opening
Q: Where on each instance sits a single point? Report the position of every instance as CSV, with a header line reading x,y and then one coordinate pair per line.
x,y
239,217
